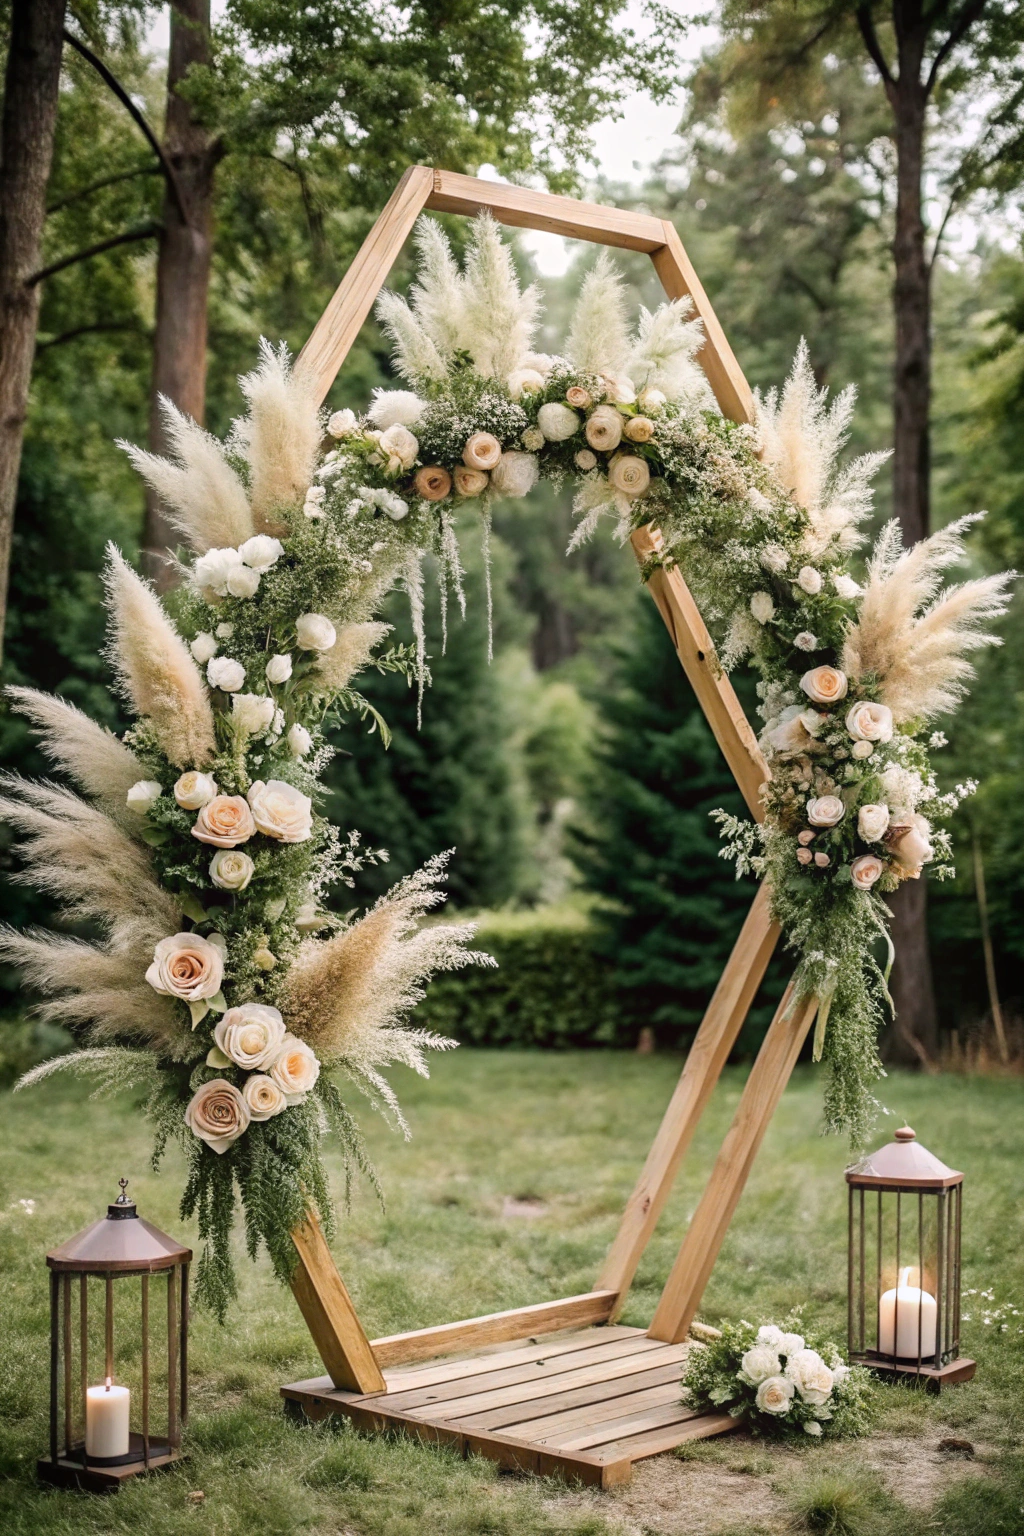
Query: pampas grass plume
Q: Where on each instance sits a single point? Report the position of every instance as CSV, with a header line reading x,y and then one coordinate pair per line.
x,y
598,339
281,436
498,321
349,653
207,500
90,754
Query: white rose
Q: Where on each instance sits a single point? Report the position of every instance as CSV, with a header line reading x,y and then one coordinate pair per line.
x,y
250,1035
873,822
187,966
533,439
603,430
203,647
870,722
812,1376
398,447
809,580
243,581
524,381
845,585
865,870
791,1343
393,408
253,712
825,811
805,641
294,1069
278,669
217,1114
558,422
862,749
263,1097
762,607
629,474
342,423
651,400
143,795
211,571
222,672
299,741
231,870
771,1333
515,473
585,459
315,632
760,1362
194,790
824,685
261,551
775,1395
281,811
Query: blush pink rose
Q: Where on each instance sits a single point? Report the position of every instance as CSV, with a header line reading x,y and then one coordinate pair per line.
x,y
225,822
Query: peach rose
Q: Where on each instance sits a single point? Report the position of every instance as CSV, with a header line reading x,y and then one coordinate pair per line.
x,y
482,451
639,429
470,482
217,1114
869,722
225,822
578,397
187,966
866,870
432,482
824,685
294,1069
281,811
604,428
911,846
263,1097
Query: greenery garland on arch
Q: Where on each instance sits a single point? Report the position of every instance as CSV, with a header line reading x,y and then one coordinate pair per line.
x,y
221,980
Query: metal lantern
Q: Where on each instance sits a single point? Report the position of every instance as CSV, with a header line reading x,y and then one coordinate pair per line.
x,y
92,1442
904,1264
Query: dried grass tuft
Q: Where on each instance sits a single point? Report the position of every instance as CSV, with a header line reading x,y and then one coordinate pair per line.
x,y
90,754
205,498
281,435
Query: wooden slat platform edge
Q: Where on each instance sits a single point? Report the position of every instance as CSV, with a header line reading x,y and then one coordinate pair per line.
x,y
331,1318
495,1327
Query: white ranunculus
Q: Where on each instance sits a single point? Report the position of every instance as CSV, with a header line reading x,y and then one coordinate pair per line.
x,y
533,439
342,423
194,790
515,473
873,822
299,740
250,1035
775,1395
253,712
869,722
398,448
294,1069
760,1362
211,571
281,811
586,459
809,580
261,551
188,966
278,669
762,607
811,1375
395,408
825,811
845,585
824,685
862,749
263,1097
243,581
315,632
231,870
524,381
805,641
865,870
558,422
222,672
203,647
217,1114
603,430
143,795
629,474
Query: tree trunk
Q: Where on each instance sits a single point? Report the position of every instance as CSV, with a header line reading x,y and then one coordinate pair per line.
x,y
31,90
914,1037
183,265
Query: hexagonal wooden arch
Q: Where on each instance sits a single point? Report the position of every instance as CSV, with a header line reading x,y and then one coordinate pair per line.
x,y
588,1403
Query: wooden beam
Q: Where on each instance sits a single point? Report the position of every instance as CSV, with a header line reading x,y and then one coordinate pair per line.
x,y
495,1328
526,209
340,323
706,1233
707,1056
716,357
330,1316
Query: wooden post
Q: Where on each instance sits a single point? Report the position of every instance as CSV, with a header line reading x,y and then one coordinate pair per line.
x,y
330,1316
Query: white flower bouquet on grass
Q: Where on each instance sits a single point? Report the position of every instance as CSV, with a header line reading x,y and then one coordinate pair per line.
x,y
776,1382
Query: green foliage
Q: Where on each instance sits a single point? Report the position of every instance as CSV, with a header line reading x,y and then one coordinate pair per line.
x,y
832,1505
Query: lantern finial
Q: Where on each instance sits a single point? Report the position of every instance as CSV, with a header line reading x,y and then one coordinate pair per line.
x,y
905,1134
122,1209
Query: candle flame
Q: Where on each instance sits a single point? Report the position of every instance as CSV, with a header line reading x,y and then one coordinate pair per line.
x,y
905,1276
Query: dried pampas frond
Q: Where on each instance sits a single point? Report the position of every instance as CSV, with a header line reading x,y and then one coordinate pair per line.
x,y
117,1067
437,295
912,636
90,754
598,340
498,321
281,435
155,669
207,501
663,355
414,353
349,653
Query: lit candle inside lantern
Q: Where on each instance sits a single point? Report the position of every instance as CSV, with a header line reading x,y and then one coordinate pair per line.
x,y
906,1321
106,1421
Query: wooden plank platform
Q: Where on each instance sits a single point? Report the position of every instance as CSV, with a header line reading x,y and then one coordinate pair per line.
x,y
583,1406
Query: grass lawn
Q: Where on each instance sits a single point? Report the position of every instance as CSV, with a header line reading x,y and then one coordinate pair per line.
x,y
568,1130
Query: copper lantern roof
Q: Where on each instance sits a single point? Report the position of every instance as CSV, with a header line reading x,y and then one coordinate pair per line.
x,y
120,1241
902,1164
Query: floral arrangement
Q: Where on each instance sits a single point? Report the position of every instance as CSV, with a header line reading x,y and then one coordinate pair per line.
x,y
198,847
772,1379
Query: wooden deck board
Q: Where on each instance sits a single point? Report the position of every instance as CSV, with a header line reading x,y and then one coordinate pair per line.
x,y
582,1407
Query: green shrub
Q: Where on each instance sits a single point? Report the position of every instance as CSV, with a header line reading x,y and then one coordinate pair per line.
x,y
550,988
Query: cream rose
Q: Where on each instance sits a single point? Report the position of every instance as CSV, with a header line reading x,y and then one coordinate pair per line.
x,y
482,451
629,474
203,647
911,847
604,428
869,722
651,400
618,389
825,811
194,790
759,1363
243,581
143,795
278,669
261,552
315,632
586,459
873,822
433,482
342,423
187,966
250,1035
231,870
770,1333
638,429
811,1375
299,740
862,749
398,448
281,811
217,1114
471,482
824,685
865,870
225,822
263,1098
775,1395
223,673
253,712
558,422
515,473
578,397
211,571
294,1069
762,607
809,580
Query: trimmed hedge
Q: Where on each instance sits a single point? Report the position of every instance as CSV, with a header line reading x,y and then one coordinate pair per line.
x,y
550,988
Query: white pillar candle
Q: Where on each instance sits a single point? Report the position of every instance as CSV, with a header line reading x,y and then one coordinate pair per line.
x,y
906,1315
106,1421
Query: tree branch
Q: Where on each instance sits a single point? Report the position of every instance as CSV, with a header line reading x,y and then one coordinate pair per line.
x,y
145,232
129,105
97,186
873,46
90,330
971,13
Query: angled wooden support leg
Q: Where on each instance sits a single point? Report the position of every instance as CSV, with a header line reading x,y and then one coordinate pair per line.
x,y
330,1316
706,1233
707,1056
